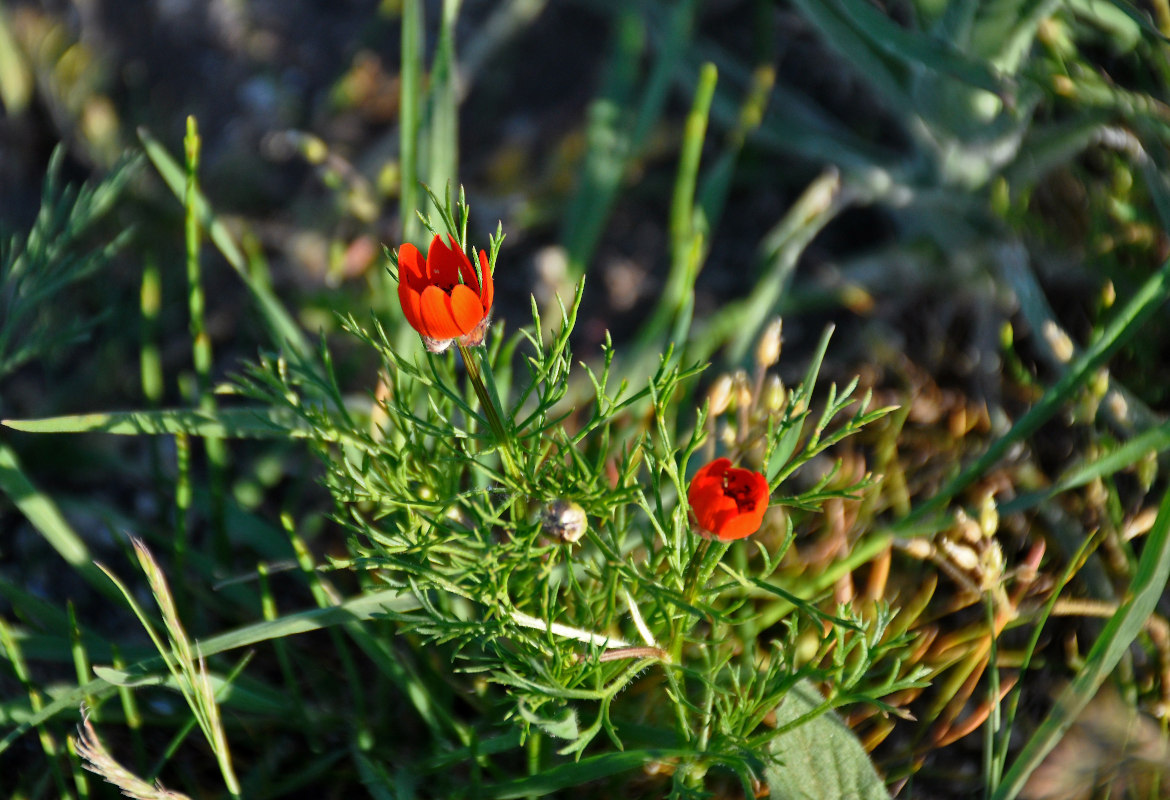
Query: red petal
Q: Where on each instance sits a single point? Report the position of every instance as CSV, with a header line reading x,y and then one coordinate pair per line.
x,y
437,322
489,290
466,308
438,260
412,269
737,525
411,304
710,473
445,263
711,507
466,271
728,502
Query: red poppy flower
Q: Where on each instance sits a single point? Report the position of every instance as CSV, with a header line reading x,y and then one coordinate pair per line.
x,y
442,296
728,502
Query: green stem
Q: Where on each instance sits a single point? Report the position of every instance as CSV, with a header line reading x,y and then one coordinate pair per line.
x,y
699,570
491,410
691,582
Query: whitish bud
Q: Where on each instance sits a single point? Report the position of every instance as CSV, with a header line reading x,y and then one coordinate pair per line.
x,y
991,567
961,555
774,394
988,516
1059,341
564,520
727,435
743,390
719,395
917,548
768,348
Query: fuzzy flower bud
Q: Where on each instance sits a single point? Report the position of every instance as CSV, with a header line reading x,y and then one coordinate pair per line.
x,y
768,348
774,394
719,395
743,390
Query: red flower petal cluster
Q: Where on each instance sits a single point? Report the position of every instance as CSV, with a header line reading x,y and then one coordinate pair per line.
x,y
442,296
728,502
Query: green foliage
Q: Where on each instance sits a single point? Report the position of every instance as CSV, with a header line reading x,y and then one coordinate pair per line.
x,y
36,268
497,588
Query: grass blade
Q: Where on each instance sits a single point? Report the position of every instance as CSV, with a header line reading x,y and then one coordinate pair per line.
x,y
232,423
44,515
282,327
409,119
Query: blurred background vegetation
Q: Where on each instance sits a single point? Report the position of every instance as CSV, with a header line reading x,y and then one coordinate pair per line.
x,y
968,190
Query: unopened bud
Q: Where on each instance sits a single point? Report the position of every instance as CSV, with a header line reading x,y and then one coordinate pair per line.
x,y
743,390
719,396
991,567
1108,295
768,348
774,394
988,516
917,548
1059,341
564,520
727,435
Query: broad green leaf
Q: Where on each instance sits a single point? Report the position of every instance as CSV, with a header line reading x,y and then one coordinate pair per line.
x,y
819,758
1155,440
917,48
443,104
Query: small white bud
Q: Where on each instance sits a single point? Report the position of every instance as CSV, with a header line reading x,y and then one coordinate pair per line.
x,y
768,348
719,396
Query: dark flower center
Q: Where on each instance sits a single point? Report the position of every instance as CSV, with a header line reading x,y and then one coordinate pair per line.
x,y
740,492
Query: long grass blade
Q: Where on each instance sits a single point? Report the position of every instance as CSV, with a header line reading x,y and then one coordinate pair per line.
x,y
232,423
410,118
40,510
283,328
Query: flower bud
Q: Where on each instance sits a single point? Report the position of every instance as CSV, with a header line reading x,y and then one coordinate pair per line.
x,y
743,390
768,348
728,435
565,520
774,394
719,396
988,516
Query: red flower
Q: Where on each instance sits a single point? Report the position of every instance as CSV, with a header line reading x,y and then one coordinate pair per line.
x,y
728,502
441,295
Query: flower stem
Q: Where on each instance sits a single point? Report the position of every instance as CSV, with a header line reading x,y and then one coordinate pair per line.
x,y
699,570
691,582
491,409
